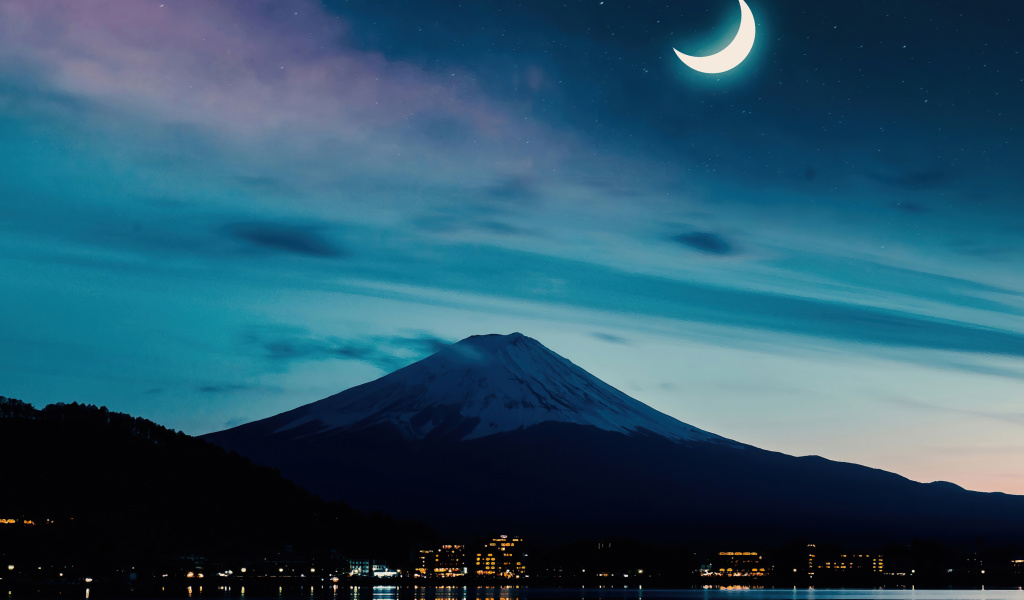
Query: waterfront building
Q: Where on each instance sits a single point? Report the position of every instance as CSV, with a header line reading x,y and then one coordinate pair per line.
x,y
369,568
739,564
446,561
502,557
851,563
358,568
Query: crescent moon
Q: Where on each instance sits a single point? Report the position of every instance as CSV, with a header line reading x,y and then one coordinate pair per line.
x,y
733,54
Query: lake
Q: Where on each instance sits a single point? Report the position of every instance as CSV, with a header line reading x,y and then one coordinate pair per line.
x,y
341,592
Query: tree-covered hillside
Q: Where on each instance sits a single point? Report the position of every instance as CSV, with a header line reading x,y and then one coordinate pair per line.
x,y
85,484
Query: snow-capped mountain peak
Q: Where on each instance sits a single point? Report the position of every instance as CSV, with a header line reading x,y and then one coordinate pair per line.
x,y
484,385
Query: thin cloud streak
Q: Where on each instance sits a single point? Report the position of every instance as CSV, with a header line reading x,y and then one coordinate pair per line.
x,y
290,239
388,353
1015,417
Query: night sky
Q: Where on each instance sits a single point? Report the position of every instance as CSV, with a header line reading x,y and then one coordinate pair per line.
x,y
211,212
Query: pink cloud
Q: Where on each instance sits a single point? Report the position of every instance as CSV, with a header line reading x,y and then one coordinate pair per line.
x,y
247,67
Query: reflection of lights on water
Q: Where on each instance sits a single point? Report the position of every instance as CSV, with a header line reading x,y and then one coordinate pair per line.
x,y
385,592
442,592
87,593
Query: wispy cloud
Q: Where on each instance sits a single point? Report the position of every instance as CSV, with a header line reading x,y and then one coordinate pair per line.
x,y
224,388
306,240
610,337
539,278
277,86
705,241
388,353
1004,416
251,67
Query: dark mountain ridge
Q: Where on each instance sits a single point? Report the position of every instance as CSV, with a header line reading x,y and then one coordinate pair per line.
x,y
105,487
499,433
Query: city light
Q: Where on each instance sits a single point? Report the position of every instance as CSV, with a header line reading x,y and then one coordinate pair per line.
x,y
502,559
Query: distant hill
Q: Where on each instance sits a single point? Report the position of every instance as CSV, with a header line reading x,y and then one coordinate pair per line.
x,y
104,487
498,433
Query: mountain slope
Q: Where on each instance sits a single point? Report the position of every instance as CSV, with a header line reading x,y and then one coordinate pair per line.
x,y
482,386
499,433
106,488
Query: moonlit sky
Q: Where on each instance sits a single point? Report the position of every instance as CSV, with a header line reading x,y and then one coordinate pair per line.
x,y
211,212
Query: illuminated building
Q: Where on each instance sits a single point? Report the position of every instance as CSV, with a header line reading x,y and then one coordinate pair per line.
x,y
851,563
502,557
368,568
359,568
427,561
1018,566
448,561
740,564
17,522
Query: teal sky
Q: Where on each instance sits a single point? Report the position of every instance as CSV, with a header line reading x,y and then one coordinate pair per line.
x,y
214,212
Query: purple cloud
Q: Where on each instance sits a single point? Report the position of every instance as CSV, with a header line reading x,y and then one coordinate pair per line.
x,y
249,68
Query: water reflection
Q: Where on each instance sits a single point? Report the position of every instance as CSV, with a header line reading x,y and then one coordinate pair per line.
x,y
461,592
393,592
447,592
729,593
498,593
385,592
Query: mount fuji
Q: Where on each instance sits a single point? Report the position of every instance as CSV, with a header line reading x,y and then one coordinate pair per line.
x,y
497,432
485,385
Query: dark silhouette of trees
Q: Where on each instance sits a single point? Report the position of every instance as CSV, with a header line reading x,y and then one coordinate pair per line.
x,y
102,486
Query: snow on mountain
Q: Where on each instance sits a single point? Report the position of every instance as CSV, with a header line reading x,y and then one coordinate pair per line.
x,y
502,415
485,385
